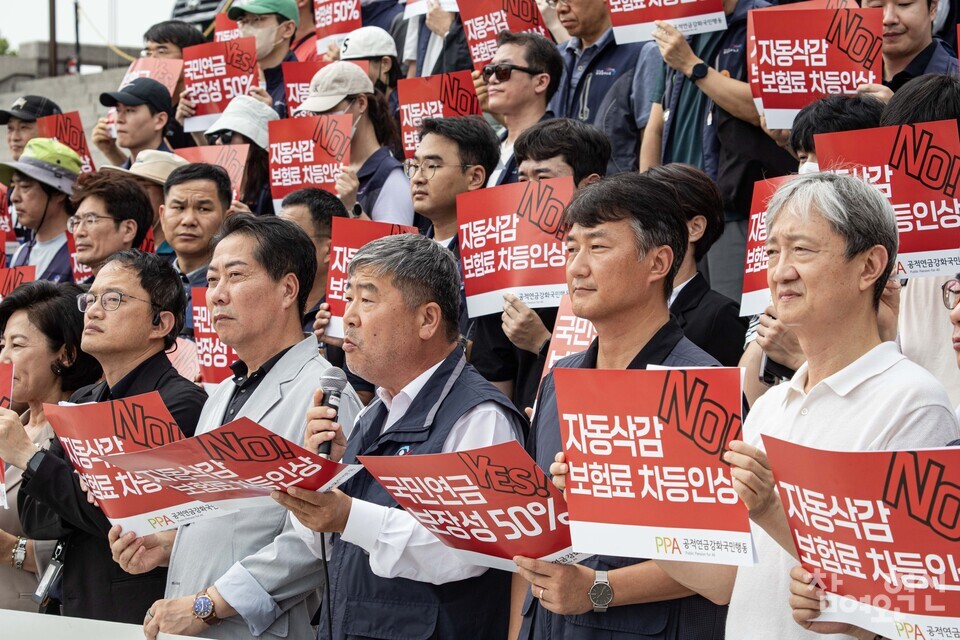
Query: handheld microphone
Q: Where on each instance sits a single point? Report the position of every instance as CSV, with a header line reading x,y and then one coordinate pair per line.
x,y
332,382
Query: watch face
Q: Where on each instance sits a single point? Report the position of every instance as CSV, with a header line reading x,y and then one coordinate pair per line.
x,y
202,607
600,594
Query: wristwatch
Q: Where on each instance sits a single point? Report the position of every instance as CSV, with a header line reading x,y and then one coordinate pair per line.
x,y
33,464
204,610
19,555
601,594
699,71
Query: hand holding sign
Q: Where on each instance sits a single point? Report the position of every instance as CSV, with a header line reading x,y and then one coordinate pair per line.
x,y
321,512
16,447
807,600
674,48
137,555
561,588
753,480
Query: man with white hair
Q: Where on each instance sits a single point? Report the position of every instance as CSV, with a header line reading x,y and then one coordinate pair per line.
x,y
831,245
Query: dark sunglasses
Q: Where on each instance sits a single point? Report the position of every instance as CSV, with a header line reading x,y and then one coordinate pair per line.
x,y
503,71
225,136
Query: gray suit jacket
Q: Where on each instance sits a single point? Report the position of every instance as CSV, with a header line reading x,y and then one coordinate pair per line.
x,y
258,546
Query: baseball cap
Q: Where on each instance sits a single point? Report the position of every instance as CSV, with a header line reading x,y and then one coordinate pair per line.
x,y
368,42
248,117
286,8
334,83
140,91
48,161
30,108
155,166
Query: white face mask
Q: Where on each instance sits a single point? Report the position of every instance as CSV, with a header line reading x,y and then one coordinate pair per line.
x,y
808,167
265,37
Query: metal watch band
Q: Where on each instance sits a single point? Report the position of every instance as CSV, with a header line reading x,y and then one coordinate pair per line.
x,y
19,555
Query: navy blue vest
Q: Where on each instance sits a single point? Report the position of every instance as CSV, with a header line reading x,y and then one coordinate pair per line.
x,y
367,606
602,98
373,174
691,618
59,270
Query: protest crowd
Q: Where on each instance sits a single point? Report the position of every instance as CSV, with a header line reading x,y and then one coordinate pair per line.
x,y
553,319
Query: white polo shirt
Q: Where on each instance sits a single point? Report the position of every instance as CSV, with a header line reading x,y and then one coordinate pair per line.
x,y
882,401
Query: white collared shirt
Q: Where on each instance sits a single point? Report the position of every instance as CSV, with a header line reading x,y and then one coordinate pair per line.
x,y
398,545
881,401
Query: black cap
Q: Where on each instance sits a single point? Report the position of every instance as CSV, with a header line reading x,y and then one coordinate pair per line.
x,y
29,108
140,91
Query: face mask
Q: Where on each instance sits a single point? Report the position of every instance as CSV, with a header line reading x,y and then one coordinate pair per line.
x,y
809,167
265,37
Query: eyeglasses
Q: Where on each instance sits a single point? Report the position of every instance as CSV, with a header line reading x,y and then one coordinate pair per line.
x,y
110,301
503,71
89,219
224,136
951,294
410,168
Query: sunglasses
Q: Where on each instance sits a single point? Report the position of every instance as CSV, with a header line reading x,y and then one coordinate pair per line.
x,y
224,136
503,71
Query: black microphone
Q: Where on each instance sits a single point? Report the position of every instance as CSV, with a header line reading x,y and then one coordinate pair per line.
x,y
332,382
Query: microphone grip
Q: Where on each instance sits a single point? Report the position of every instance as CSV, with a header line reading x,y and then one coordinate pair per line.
x,y
331,398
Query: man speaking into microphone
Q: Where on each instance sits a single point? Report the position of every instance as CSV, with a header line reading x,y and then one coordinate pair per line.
x,y
248,570
389,576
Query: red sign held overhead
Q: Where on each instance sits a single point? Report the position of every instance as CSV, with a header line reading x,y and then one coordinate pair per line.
x,y
483,20
225,28
307,152
297,77
214,74
880,530
512,241
166,71
335,19
917,168
215,357
756,292
646,475
347,237
67,129
440,96
832,51
232,157
13,277
488,504
633,20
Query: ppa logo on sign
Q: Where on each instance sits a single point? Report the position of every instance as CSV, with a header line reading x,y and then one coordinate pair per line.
x,y
909,631
668,545
160,521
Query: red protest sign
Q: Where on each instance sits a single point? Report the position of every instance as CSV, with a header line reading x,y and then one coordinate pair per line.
x,y
67,129
440,96
804,55
512,241
166,71
234,466
214,356
6,386
335,19
487,504
880,529
483,20
753,59
225,29
7,234
149,244
297,77
307,152
347,237
756,292
570,334
917,168
232,157
646,475
80,271
633,20
91,432
214,74
13,277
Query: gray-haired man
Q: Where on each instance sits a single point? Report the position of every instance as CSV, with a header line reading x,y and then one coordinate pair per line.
x,y
832,246
389,575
